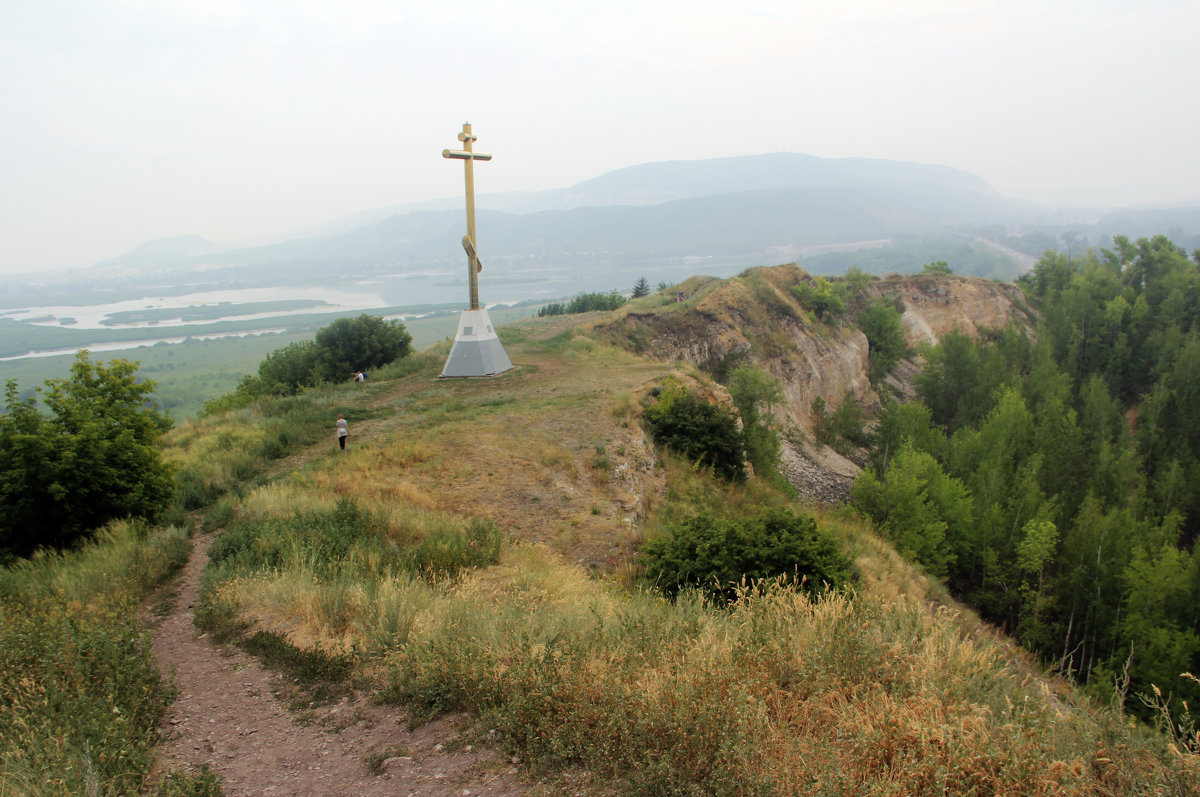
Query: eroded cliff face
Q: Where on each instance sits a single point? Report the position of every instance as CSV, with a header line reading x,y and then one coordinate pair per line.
x,y
935,305
755,319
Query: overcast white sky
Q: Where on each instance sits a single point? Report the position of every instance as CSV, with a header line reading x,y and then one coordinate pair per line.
x,y
123,121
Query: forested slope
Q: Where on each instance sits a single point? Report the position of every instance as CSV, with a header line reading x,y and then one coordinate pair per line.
x,y
1054,480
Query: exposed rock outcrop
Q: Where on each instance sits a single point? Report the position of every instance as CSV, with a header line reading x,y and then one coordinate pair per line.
x,y
756,319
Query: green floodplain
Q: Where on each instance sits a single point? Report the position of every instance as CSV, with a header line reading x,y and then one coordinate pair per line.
x,y
189,373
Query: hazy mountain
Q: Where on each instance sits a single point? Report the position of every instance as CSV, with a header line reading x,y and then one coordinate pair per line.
x,y
654,183
741,207
752,210
153,254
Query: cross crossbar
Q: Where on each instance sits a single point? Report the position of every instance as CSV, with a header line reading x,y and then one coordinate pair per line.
x,y
466,154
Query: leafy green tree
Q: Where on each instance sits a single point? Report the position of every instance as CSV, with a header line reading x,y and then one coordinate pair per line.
x,y
1035,554
641,288
1158,621
365,342
286,370
925,512
754,393
717,554
827,300
899,423
857,280
956,384
93,457
345,346
845,429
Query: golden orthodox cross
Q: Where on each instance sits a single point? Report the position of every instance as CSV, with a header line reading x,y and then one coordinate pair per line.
x,y
469,156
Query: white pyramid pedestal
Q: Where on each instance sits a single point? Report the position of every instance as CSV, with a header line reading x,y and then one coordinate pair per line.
x,y
477,350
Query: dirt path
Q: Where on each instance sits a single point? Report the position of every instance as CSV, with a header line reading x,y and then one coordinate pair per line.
x,y
229,717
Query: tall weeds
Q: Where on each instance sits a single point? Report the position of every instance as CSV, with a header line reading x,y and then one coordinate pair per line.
x,y
80,695
782,694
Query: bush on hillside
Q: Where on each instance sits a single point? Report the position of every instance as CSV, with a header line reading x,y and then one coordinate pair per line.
x,y
345,346
886,338
844,430
719,554
285,370
691,427
366,342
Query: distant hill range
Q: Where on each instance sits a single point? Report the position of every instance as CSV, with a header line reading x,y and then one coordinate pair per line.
x,y
752,210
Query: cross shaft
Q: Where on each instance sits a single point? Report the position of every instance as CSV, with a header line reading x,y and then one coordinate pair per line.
x,y
468,156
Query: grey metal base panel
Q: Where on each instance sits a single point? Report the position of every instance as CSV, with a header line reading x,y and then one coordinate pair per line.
x,y
477,350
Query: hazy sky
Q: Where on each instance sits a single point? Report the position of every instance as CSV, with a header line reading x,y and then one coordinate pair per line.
x,y
123,121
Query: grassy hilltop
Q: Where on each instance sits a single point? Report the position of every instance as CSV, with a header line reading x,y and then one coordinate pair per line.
x,y
475,549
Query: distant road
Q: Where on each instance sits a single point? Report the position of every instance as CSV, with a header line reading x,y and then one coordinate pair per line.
x,y
1027,261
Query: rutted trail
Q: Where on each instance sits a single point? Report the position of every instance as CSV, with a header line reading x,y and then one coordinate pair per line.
x,y
228,716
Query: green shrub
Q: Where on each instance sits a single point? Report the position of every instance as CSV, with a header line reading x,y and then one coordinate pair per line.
x,y
720,554
286,370
447,552
886,338
346,345
693,428
92,457
825,299
366,342
183,784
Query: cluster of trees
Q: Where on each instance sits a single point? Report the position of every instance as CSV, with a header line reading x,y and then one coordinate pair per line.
x,y
345,346
92,456
1054,481
583,303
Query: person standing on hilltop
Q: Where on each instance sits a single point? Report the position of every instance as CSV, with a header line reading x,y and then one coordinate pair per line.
x,y
343,431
